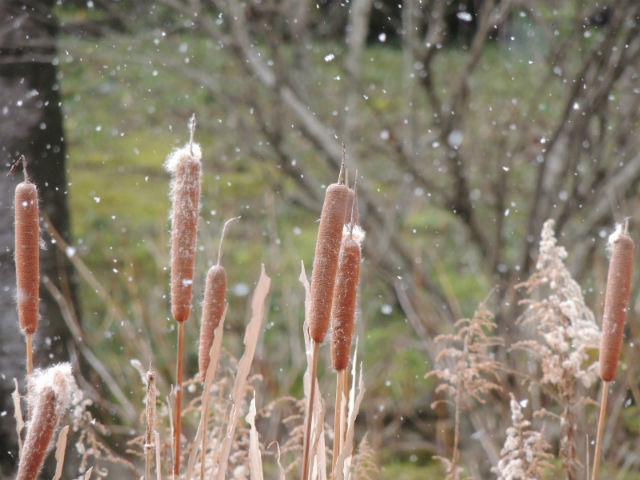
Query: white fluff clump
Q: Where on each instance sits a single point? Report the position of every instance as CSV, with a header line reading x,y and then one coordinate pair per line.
x,y
59,377
192,150
356,232
525,451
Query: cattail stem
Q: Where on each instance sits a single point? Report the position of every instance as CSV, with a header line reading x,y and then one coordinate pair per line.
x,y
29,353
603,413
337,421
176,437
343,412
203,443
309,419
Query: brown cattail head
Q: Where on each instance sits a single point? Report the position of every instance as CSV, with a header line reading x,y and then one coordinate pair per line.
x,y
51,392
212,311
616,300
344,302
184,166
27,251
325,262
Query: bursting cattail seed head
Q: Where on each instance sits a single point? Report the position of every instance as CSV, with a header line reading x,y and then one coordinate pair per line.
x,y
184,166
51,393
212,310
325,262
27,255
616,300
344,302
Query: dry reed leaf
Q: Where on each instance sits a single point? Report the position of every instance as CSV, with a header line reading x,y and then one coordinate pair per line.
x,y
343,463
214,356
281,472
255,459
150,417
17,413
317,451
244,366
61,447
304,280
171,402
137,365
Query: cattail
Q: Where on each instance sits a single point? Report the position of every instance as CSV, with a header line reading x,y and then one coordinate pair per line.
x,y
184,166
27,248
51,393
615,302
344,302
213,305
325,262
212,310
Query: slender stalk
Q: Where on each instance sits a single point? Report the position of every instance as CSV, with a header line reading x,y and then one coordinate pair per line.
x,y
203,444
308,421
343,412
29,353
603,413
456,431
337,421
150,413
176,438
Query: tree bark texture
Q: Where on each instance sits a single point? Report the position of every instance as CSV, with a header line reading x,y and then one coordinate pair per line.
x,y
30,125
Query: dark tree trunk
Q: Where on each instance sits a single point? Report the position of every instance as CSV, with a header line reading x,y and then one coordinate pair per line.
x,y
30,125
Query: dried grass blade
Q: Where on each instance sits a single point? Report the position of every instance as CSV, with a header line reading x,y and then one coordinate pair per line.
x,y
158,456
150,414
318,452
201,434
87,475
61,448
342,471
318,408
244,366
255,459
281,471
17,413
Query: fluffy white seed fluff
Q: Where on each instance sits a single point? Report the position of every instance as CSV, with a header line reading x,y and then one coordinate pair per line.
x,y
60,378
193,150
